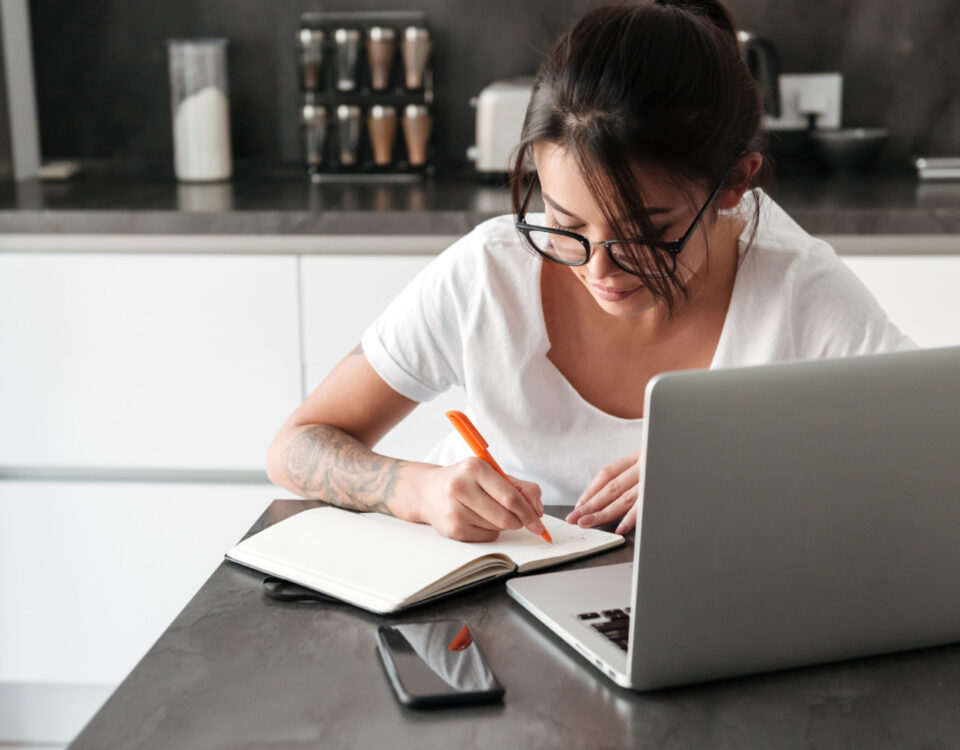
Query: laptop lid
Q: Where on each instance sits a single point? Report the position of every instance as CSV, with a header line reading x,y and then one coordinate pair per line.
x,y
797,513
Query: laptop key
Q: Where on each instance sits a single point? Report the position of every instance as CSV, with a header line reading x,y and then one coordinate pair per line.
x,y
618,624
615,635
614,613
588,616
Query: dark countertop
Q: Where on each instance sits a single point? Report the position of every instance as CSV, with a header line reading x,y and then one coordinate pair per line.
x,y
286,203
235,670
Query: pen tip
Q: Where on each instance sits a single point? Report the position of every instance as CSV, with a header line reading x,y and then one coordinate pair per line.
x,y
546,536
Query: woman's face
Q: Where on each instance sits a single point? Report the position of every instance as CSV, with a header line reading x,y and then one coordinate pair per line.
x,y
569,204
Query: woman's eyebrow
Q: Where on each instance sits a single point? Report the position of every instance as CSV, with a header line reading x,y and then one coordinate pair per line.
x,y
557,207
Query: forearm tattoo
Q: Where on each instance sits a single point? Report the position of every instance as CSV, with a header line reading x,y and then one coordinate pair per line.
x,y
326,463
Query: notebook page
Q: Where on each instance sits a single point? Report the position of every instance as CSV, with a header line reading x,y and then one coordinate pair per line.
x,y
569,542
342,553
524,547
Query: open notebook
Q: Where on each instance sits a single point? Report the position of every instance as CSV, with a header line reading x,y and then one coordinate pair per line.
x,y
384,564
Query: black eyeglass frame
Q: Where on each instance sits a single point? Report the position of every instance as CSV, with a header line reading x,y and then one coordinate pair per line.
x,y
673,249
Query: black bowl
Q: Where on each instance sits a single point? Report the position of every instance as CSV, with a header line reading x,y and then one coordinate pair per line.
x,y
849,150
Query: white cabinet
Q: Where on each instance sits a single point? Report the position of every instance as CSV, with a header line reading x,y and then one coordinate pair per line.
x,y
91,573
342,295
191,362
146,361
919,293
137,364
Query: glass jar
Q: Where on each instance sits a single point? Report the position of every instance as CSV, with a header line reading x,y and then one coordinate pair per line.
x,y
201,109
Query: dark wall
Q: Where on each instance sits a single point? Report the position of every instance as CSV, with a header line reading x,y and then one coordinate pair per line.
x,y
6,150
102,76
103,90
900,63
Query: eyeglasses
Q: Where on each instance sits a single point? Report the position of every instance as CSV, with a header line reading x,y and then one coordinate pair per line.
x,y
652,259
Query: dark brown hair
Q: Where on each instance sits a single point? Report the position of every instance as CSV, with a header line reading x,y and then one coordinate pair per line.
x,y
652,82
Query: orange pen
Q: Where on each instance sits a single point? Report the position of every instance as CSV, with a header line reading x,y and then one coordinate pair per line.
x,y
478,445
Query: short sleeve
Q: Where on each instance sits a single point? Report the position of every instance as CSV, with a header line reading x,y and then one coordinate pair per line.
x,y
834,314
416,344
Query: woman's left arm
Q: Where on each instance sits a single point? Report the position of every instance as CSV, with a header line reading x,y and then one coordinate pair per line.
x,y
611,494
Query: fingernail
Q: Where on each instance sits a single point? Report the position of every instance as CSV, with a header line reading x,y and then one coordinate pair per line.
x,y
619,530
586,521
537,528
572,516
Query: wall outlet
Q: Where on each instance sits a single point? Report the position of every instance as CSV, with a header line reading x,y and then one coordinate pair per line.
x,y
801,95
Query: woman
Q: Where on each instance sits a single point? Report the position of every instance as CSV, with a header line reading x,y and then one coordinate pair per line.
x,y
644,124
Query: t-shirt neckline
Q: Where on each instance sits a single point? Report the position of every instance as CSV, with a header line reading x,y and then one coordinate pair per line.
x,y
544,338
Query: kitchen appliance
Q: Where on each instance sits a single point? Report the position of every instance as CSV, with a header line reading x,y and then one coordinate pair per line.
x,y
938,167
849,150
764,63
500,109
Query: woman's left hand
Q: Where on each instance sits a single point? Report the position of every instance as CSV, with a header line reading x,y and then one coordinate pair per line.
x,y
611,494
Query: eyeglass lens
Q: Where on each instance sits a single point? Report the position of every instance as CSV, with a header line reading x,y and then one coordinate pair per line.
x,y
632,256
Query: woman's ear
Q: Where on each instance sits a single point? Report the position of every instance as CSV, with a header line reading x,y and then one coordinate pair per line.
x,y
739,181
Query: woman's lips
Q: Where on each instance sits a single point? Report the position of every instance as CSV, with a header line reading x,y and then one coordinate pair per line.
x,y
611,294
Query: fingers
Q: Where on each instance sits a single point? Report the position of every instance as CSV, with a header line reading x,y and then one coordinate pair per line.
x,y
531,491
466,526
508,503
629,521
606,475
618,508
479,488
610,495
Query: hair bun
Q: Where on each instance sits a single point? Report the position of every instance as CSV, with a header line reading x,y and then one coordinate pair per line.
x,y
713,10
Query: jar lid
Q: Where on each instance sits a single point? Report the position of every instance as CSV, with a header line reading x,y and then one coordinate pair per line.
x,y
198,41
309,36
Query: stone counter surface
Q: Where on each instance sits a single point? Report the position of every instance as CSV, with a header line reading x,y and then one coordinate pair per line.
x,y
236,670
288,204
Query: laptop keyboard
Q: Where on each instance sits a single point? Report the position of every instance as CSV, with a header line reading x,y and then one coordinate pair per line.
x,y
612,623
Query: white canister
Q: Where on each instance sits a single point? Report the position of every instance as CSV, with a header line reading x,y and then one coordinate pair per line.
x,y
201,109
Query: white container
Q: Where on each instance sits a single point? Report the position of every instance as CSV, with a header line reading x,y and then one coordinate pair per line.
x,y
201,109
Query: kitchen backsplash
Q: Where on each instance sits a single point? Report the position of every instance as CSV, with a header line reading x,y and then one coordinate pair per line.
x,y
102,87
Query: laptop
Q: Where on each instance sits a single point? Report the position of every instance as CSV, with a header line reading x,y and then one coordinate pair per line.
x,y
790,514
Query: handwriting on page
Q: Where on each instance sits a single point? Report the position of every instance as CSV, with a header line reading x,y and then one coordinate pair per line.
x,y
564,535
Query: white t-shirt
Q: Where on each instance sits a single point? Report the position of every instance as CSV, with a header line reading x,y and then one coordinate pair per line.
x,y
473,318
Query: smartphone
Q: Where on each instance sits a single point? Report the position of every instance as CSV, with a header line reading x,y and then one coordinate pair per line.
x,y
436,663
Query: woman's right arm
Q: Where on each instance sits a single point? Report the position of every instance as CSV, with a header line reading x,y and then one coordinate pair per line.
x,y
323,451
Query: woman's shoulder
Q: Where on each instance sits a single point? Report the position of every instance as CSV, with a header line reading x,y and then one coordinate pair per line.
x,y
496,232
778,245
800,280
491,249
490,238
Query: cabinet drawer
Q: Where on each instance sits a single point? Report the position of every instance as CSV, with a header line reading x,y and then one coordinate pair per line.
x,y
146,360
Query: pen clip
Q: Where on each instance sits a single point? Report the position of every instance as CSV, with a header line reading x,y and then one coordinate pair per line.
x,y
467,431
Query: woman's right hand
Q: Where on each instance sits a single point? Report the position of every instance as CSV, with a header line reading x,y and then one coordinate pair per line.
x,y
471,502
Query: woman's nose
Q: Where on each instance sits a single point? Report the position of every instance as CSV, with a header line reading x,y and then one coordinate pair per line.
x,y
600,264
